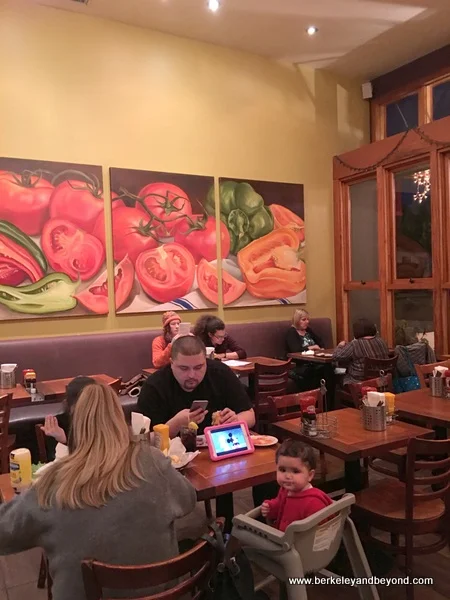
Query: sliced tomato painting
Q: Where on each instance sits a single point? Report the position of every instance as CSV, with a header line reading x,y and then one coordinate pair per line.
x,y
208,282
95,296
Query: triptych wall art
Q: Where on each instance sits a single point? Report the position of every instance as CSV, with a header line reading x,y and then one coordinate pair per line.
x,y
164,235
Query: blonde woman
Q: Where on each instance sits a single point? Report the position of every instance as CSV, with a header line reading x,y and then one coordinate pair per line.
x,y
300,336
109,499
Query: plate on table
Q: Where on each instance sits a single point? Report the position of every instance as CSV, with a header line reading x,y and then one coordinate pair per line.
x,y
260,441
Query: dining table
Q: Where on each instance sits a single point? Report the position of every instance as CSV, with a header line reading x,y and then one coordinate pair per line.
x,y
320,356
210,478
352,442
49,391
421,407
240,369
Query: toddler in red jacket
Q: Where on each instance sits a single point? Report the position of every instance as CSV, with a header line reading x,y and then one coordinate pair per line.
x,y
297,498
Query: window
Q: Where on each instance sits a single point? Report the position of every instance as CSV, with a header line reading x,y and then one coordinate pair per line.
x,y
413,223
364,231
402,115
441,100
364,304
413,312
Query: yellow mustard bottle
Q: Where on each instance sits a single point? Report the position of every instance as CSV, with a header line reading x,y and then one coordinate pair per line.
x,y
162,438
20,469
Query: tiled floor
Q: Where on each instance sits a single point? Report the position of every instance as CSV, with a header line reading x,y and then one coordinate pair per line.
x,y
18,573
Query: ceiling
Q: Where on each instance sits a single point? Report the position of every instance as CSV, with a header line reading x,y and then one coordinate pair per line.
x,y
357,38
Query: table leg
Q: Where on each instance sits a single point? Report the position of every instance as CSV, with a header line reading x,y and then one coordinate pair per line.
x,y
354,479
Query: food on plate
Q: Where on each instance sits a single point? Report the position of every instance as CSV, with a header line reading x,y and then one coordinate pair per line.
x,y
263,440
272,266
198,235
71,250
53,293
132,231
207,280
243,212
167,203
166,273
20,254
95,297
78,201
193,426
283,217
215,418
175,459
24,200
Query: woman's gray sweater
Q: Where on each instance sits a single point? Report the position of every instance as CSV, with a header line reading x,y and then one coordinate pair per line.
x,y
136,527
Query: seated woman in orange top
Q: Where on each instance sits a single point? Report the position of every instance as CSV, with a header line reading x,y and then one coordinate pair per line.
x,y
162,345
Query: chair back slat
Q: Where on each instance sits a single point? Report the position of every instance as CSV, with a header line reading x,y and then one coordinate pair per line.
x,y
373,366
356,388
424,371
270,380
195,566
41,443
279,405
429,455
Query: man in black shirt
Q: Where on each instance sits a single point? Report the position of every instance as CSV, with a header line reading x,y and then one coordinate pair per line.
x,y
168,394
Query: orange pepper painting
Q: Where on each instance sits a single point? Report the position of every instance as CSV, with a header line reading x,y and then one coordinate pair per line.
x,y
264,263
271,265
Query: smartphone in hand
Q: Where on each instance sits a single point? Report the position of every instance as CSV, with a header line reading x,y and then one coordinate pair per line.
x,y
203,404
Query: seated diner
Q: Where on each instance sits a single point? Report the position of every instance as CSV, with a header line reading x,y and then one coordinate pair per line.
x,y
110,499
162,344
211,330
366,343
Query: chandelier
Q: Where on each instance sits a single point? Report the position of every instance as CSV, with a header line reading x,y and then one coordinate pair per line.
x,y
422,181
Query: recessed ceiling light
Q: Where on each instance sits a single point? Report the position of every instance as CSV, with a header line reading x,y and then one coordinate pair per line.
x,y
213,5
312,30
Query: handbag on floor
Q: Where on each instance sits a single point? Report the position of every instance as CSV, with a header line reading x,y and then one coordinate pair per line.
x,y
233,577
410,383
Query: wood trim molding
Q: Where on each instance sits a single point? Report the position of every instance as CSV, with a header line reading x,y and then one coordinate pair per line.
x,y
410,77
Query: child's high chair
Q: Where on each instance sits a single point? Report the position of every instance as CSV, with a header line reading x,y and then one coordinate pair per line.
x,y
307,546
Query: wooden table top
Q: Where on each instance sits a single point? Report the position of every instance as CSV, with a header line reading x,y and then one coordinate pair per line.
x,y
211,478
352,441
244,369
420,405
53,390
313,358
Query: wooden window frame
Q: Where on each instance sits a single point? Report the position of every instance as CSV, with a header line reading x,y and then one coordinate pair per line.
x,y
413,151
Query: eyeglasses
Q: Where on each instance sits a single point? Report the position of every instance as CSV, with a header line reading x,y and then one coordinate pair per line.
x,y
220,337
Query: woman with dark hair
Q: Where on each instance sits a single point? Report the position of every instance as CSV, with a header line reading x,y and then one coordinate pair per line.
x,y
211,330
59,427
162,344
366,343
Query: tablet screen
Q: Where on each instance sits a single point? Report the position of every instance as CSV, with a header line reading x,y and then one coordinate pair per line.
x,y
229,440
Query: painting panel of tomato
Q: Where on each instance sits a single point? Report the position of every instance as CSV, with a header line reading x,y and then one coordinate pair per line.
x,y
162,225
45,262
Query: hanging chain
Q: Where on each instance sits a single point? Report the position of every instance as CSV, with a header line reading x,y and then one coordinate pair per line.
x,y
417,130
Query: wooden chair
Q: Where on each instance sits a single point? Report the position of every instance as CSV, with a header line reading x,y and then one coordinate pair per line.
x,y
417,506
195,566
279,410
355,389
424,371
270,380
41,444
373,366
6,441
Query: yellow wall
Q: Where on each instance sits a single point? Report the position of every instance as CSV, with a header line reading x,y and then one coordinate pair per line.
x,y
78,89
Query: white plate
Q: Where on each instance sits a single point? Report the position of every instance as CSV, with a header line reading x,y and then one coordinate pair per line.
x,y
263,441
